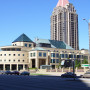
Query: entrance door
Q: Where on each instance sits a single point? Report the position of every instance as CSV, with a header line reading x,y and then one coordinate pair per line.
x,y
33,63
42,62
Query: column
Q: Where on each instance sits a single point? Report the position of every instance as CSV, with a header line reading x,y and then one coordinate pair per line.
x,y
4,67
37,63
23,66
46,61
10,67
17,67
30,63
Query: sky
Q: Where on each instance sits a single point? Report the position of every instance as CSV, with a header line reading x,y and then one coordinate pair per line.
x,y
32,17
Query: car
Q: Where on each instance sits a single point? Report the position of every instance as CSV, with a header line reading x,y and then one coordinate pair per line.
x,y
25,73
86,75
8,72
2,72
15,73
68,75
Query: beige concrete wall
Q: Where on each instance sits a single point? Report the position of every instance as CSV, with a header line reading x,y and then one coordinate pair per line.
x,y
9,55
22,44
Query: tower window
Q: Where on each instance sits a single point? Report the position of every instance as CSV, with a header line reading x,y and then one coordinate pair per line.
x,y
25,45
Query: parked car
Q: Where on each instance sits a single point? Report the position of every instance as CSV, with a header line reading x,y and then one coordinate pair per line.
x,y
15,73
25,73
2,72
68,75
8,72
86,75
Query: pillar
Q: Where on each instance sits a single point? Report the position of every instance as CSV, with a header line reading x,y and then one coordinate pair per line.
x,y
37,63
46,61
69,69
4,67
10,67
17,67
23,66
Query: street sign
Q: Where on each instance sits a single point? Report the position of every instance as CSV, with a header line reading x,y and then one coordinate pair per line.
x,y
85,65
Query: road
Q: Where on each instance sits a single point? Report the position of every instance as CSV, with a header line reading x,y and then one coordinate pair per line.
x,y
12,82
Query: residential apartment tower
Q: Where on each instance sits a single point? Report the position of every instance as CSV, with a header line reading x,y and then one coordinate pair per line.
x,y
64,24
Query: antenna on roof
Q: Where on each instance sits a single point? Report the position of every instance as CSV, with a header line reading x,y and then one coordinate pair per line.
x,y
36,39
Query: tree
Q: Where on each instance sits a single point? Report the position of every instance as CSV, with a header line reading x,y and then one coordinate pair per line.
x,y
85,61
77,63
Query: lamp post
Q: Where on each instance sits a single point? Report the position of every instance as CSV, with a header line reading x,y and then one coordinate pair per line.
x,y
88,31
73,61
89,36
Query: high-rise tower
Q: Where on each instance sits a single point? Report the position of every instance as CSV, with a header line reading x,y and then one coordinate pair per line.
x,y
64,24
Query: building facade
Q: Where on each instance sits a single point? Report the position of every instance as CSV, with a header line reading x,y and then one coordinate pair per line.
x,y
64,24
24,53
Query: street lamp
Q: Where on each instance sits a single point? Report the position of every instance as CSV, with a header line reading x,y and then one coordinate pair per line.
x,y
88,31
89,36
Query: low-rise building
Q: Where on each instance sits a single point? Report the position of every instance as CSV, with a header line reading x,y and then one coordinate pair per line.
x,y
24,53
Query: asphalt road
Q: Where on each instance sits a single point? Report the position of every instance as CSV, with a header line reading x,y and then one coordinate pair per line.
x,y
12,82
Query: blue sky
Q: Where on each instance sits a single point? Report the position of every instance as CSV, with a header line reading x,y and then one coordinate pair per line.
x,y
32,17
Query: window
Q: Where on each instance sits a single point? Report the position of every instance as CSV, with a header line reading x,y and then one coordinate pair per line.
x,y
9,60
23,54
40,54
13,49
30,45
25,45
30,54
8,49
52,54
9,54
13,54
52,60
23,60
66,55
0,54
78,56
18,60
44,54
5,60
74,56
14,60
18,49
71,56
18,54
33,54
57,60
4,54
62,55
0,60
57,55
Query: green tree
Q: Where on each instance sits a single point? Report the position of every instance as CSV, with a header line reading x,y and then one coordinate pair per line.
x,y
77,63
85,61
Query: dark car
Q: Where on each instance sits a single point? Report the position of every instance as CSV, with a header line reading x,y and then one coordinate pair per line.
x,y
15,73
68,75
8,72
25,73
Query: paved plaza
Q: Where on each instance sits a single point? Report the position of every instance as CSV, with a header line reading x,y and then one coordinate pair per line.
x,y
12,82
